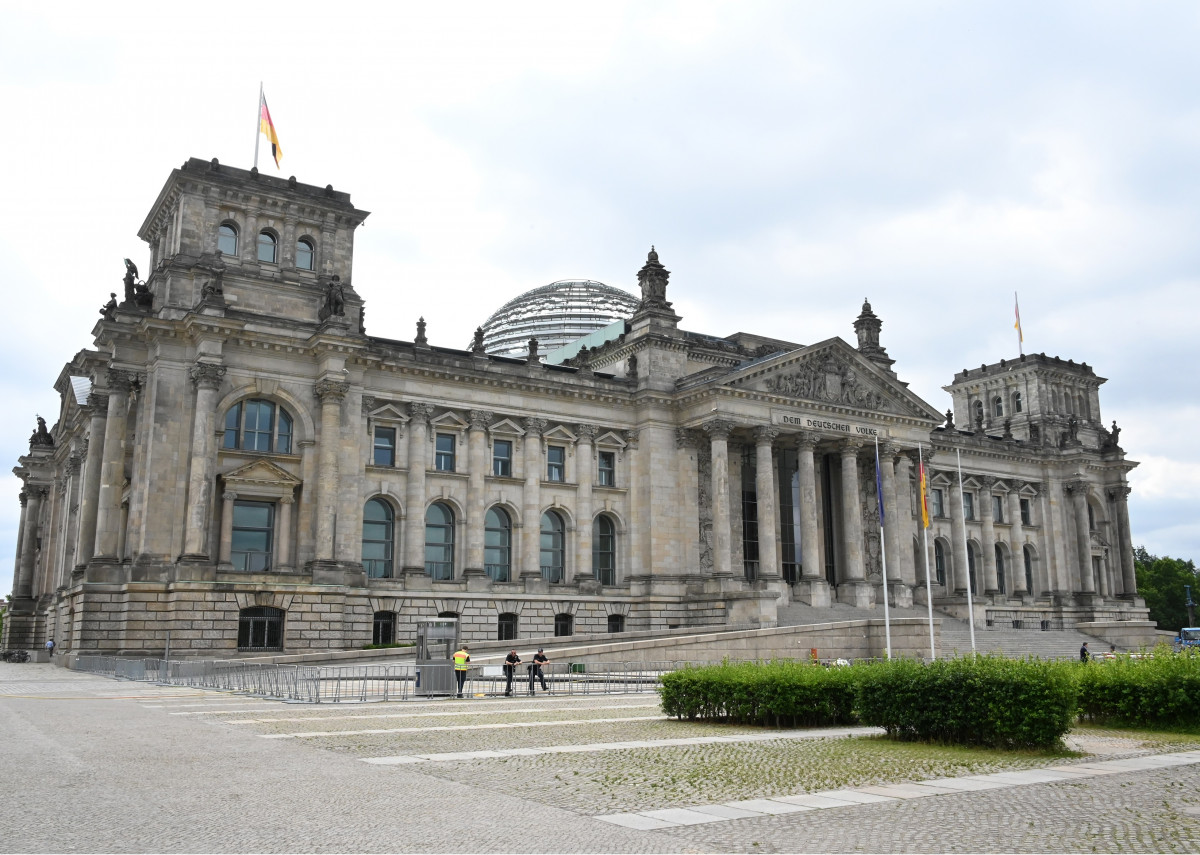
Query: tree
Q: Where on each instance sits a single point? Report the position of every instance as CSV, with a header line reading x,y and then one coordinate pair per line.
x,y
1161,583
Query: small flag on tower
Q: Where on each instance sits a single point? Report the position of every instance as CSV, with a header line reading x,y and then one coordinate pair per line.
x,y
1017,325
267,128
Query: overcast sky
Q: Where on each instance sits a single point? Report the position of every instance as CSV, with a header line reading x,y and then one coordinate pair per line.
x,y
787,160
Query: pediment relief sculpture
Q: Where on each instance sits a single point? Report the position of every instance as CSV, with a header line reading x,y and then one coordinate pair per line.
x,y
830,379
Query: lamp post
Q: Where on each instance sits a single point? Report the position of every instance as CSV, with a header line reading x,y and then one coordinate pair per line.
x,y
1191,606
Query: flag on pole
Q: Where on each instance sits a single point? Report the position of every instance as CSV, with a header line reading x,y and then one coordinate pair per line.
x,y
924,496
878,482
267,128
1017,325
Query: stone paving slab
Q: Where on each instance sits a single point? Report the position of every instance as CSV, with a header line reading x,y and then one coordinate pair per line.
x,y
768,806
815,800
682,816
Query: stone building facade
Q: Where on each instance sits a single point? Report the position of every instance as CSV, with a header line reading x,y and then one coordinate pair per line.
x,y
239,464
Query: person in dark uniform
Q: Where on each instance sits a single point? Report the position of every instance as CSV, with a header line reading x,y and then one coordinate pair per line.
x,y
1083,653
535,670
511,661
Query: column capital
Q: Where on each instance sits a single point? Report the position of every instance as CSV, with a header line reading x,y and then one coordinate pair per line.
x,y
586,432
1119,494
718,428
479,419
284,500
988,481
328,390
850,446
888,449
687,438
1077,486
229,495
1015,485
97,402
764,435
631,437
120,381
73,464
806,439
207,375
420,411
533,425
368,404
24,497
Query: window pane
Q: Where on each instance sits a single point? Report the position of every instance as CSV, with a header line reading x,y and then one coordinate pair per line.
x,y
444,461
608,468
555,457
232,426
251,515
250,541
502,458
266,247
227,240
283,445
385,446
304,254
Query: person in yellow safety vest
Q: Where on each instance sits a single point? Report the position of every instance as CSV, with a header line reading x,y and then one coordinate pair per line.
x,y
461,658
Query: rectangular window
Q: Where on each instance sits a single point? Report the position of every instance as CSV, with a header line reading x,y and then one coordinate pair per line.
x,y
937,504
385,447
502,458
998,508
444,459
968,506
556,463
608,469
1026,515
253,536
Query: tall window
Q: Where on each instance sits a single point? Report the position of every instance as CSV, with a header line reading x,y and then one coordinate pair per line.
x,y
384,631
497,545
385,447
968,500
268,247
260,628
1017,402
750,535
253,535
1028,569
998,508
1026,515
1091,519
257,425
564,624
439,542
997,406
608,469
506,627
444,459
971,563
379,529
939,562
1000,585
604,550
616,623
305,253
227,240
502,458
556,463
552,547
937,504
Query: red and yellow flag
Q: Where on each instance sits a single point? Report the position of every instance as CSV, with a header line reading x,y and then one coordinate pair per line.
x,y
924,497
267,128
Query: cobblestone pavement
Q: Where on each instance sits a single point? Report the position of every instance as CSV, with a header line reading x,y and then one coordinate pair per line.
x,y
98,765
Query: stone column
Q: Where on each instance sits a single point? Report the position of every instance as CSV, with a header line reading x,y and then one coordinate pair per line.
x,y
1120,496
112,469
852,530
1083,540
686,443
991,583
414,520
283,531
1016,539
24,497
207,378
584,467
93,458
891,515
23,584
764,490
810,548
906,523
225,551
330,393
961,571
718,433
477,469
531,500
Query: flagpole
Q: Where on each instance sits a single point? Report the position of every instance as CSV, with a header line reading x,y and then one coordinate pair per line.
x,y
258,123
962,504
925,552
1020,332
887,620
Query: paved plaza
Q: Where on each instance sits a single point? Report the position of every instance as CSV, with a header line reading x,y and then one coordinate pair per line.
x,y
93,764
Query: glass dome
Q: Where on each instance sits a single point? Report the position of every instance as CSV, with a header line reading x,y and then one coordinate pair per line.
x,y
556,314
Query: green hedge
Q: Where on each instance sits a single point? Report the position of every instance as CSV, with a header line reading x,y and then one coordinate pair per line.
x,y
1158,692
777,694
986,700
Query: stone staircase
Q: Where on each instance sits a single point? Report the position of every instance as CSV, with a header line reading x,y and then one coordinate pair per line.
x,y
954,638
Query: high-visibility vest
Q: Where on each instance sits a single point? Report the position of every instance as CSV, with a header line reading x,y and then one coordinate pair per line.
x,y
460,660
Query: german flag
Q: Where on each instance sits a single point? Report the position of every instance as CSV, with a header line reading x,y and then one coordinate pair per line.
x,y
267,128
924,487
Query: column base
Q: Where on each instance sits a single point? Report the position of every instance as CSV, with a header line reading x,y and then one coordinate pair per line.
x,y
194,568
535,584
105,570
899,595
338,573
860,594
813,592
416,579
477,579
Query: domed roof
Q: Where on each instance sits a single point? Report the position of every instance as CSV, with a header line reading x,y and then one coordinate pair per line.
x,y
556,314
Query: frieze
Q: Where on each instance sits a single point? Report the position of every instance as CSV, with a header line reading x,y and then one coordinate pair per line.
x,y
826,425
831,380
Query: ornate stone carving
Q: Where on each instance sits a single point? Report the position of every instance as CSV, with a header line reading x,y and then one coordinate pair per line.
x,y
806,439
421,340
832,380
533,426
229,496
687,438
120,380
97,402
209,273
1118,494
631,437
109,309
587,432
653,281
368,404
207,375
532,357
334,305
479,419
331,390
477,342
419,411
718,428
850,446
764,434
40,436
73,464
1077,486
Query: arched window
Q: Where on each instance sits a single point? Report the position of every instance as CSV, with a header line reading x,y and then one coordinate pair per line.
x,y
227,239
379,530
997,406
260,628
564,624
268,247
939,562
604,550
384,631
1028,569
971,564
497,545
1017,407
1000,585
258,425
439,542
616,623
506,627
553,551
305,253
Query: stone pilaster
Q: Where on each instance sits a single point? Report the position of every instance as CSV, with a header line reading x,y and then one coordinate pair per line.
x,y
97,404
764,489
718,433
477,468
414,521
330,393
686,443
961,571
584,468
1120,497
991,583
1083,542
206,377
112,470
23,583
531,502
225,548
1016,540
812,588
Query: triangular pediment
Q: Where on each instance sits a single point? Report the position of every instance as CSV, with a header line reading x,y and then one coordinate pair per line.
x,y
449,421
389,413
506,427
830,374
261,473
609,439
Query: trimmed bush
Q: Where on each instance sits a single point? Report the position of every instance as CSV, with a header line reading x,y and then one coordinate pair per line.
x,y
990,701
1158,692
778,694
